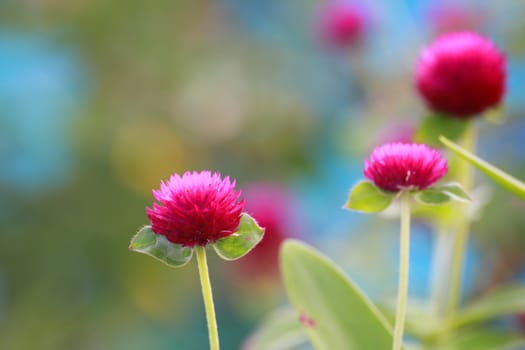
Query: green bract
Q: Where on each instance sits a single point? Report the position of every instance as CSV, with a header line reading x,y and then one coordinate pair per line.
x,y
442,194
368,198
248,234
158,247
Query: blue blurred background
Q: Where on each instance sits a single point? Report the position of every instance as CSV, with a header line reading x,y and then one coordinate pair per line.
x,y
100,100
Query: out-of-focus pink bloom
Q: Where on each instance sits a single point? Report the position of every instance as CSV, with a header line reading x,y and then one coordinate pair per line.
x,y
461,74
196,209
448,17
405,166
342,23
399,132
271,205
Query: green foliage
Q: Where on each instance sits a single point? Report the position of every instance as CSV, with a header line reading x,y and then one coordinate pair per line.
x,y
158,247
248,234
507,300
481,339
500,177
281,330
331,308
368,198
442,194
435,125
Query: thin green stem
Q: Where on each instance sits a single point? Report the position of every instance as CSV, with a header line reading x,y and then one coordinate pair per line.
x,y
208,297
465,176
404,255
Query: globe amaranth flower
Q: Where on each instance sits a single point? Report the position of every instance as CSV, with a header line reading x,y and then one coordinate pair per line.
x,y
342,23
461,74
196,209
398,166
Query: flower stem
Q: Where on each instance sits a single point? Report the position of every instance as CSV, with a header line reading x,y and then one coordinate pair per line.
x,y
208,297
465,176
404,255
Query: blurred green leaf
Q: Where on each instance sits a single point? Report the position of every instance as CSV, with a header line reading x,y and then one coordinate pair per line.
x,y
432,196
158,247
368,198
248,234
481,339
505,180
281,330
435,125
507,300
332,310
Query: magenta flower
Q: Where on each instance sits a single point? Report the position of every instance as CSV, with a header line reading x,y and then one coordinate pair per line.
x,y
196,209
342,23
398,166
461,74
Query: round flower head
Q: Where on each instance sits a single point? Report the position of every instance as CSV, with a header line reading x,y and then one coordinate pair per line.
x,y
342,23
196,209
461,74
397,166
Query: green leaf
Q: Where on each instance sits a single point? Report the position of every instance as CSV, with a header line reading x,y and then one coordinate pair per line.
x,y
432,196
456,191
503,179
437,124
158,247
508,300
368,198
281,330
481,339
331,308
248,234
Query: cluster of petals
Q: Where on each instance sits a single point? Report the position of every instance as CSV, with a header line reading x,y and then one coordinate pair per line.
x,y
196,208
404,166
461,74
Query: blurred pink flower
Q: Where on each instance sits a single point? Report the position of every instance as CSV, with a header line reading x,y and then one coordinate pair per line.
x,y
452,17
398,166
196,209
461,74
271,205
342,23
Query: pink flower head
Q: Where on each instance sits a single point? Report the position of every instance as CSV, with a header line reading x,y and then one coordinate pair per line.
x,y
397,166
196,209
342,23
461,74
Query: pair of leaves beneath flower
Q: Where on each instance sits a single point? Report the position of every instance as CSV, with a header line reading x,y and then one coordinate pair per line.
x,y
233,247
368,198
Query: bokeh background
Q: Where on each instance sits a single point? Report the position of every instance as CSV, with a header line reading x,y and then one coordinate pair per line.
x,y
101,99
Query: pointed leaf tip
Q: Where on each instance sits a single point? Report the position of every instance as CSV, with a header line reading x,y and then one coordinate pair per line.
x,y
247,236
368,198
158,247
